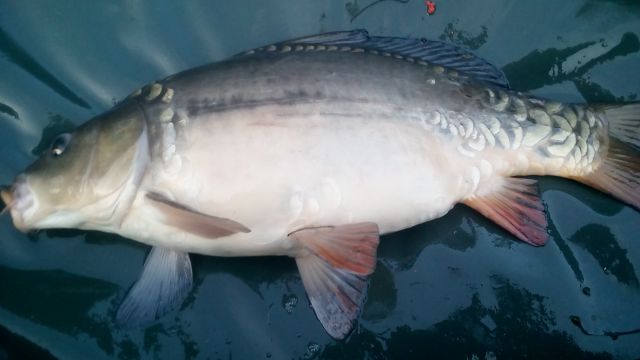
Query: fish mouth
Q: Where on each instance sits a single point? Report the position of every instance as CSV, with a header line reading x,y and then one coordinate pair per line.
x,y
19,200
6,196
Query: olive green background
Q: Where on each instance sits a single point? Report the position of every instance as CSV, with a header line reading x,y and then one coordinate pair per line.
x,y
458,287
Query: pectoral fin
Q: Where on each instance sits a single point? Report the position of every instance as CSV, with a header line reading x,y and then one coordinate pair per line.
x,y
334,267
192,221
164,284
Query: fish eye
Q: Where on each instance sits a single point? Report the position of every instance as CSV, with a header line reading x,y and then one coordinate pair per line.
x,y
59,144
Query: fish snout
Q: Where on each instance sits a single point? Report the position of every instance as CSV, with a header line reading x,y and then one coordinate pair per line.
x,y
19,199
6,194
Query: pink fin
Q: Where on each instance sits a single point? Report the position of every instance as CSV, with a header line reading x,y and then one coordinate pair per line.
x,y
516,207
334,268
350,247
619,173
192,221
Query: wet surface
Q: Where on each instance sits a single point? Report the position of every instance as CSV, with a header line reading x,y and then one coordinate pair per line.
x,y
457,287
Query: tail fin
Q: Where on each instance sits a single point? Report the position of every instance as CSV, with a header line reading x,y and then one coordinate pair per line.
x,y
624,123
619,173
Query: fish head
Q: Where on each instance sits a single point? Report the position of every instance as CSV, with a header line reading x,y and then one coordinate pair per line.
x,y
86,178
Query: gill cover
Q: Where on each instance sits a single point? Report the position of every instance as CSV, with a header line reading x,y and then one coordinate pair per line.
x,y
87,177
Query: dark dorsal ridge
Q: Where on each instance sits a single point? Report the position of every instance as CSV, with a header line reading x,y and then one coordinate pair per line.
x,y
421,51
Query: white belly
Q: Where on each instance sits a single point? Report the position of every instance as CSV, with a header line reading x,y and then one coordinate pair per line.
x,y
275,170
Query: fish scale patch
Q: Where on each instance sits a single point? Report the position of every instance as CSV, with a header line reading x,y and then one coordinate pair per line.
x,y
165,123
511,120
565,136
153,91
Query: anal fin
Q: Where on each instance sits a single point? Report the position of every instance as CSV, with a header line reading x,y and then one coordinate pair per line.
x,y
334,266
516,207
164,284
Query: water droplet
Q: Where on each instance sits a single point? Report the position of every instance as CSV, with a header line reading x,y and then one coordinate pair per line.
x,y
312,350
268,355
289,302
227,341
575,320
586,290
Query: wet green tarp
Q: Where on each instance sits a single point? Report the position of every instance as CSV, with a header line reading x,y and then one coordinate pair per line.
x,y
458,287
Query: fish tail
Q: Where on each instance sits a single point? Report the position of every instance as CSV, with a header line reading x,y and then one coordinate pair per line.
x,y
618,172
624,123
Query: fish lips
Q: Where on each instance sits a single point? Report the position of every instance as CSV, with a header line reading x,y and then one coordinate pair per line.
x,y
6,194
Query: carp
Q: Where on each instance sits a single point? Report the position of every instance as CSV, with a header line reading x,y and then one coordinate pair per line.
x,y
312,148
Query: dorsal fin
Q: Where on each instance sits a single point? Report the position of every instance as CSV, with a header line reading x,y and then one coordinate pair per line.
x,y
430,51
352,37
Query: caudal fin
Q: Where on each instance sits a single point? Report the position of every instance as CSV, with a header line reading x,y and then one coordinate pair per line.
x,y
624,123
619,173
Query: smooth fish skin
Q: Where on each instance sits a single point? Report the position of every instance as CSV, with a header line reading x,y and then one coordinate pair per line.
x,y
312,148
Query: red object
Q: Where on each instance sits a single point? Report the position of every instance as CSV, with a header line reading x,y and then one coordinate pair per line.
x,y
431,7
